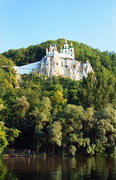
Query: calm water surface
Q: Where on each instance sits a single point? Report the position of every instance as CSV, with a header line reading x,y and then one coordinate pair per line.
x,y
58,168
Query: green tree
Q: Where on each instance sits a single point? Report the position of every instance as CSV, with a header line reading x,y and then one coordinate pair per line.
x,y
43,118
55,134
58,101
7,135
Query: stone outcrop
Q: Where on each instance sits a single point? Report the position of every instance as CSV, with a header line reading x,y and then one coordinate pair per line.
x,y
58,66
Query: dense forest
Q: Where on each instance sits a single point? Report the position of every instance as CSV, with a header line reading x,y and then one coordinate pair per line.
x,y
58,115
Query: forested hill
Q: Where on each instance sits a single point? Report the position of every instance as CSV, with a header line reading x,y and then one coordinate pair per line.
x,y
83,53
59,114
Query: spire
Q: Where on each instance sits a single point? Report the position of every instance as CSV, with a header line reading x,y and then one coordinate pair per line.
x,y
52,47
61,49
66,44
71,46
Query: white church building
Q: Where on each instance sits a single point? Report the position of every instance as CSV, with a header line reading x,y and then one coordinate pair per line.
x,y
66,52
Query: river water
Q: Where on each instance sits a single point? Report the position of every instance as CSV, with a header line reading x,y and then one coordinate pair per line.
x,y
58,168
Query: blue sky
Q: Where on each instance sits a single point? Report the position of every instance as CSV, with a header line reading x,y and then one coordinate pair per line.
x,y
29,22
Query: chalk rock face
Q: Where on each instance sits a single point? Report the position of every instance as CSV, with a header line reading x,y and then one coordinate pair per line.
x,y
56,63
58,66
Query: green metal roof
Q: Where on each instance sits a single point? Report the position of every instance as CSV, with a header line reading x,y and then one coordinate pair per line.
x,y
53,44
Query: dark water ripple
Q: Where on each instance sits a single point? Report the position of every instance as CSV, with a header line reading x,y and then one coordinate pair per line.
x,y
58,168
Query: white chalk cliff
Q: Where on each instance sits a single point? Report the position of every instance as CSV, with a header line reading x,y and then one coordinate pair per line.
x,y
56,63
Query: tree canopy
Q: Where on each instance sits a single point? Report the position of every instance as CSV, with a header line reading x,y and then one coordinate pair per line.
x,y
59,114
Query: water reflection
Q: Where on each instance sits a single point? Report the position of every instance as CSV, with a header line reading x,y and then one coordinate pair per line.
x,y
58,168
5,174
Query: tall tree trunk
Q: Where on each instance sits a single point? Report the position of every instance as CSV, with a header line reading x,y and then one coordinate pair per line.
x,y
53,149
37,148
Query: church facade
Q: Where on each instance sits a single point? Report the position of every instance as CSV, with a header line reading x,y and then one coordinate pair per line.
x,y
65,52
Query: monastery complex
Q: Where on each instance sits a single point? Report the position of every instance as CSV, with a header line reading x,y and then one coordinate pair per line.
x,y
56,63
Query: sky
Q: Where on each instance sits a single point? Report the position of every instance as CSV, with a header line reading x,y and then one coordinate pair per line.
x,y
29,22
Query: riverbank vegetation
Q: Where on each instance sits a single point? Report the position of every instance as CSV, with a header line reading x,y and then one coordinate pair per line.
x,y
59,115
